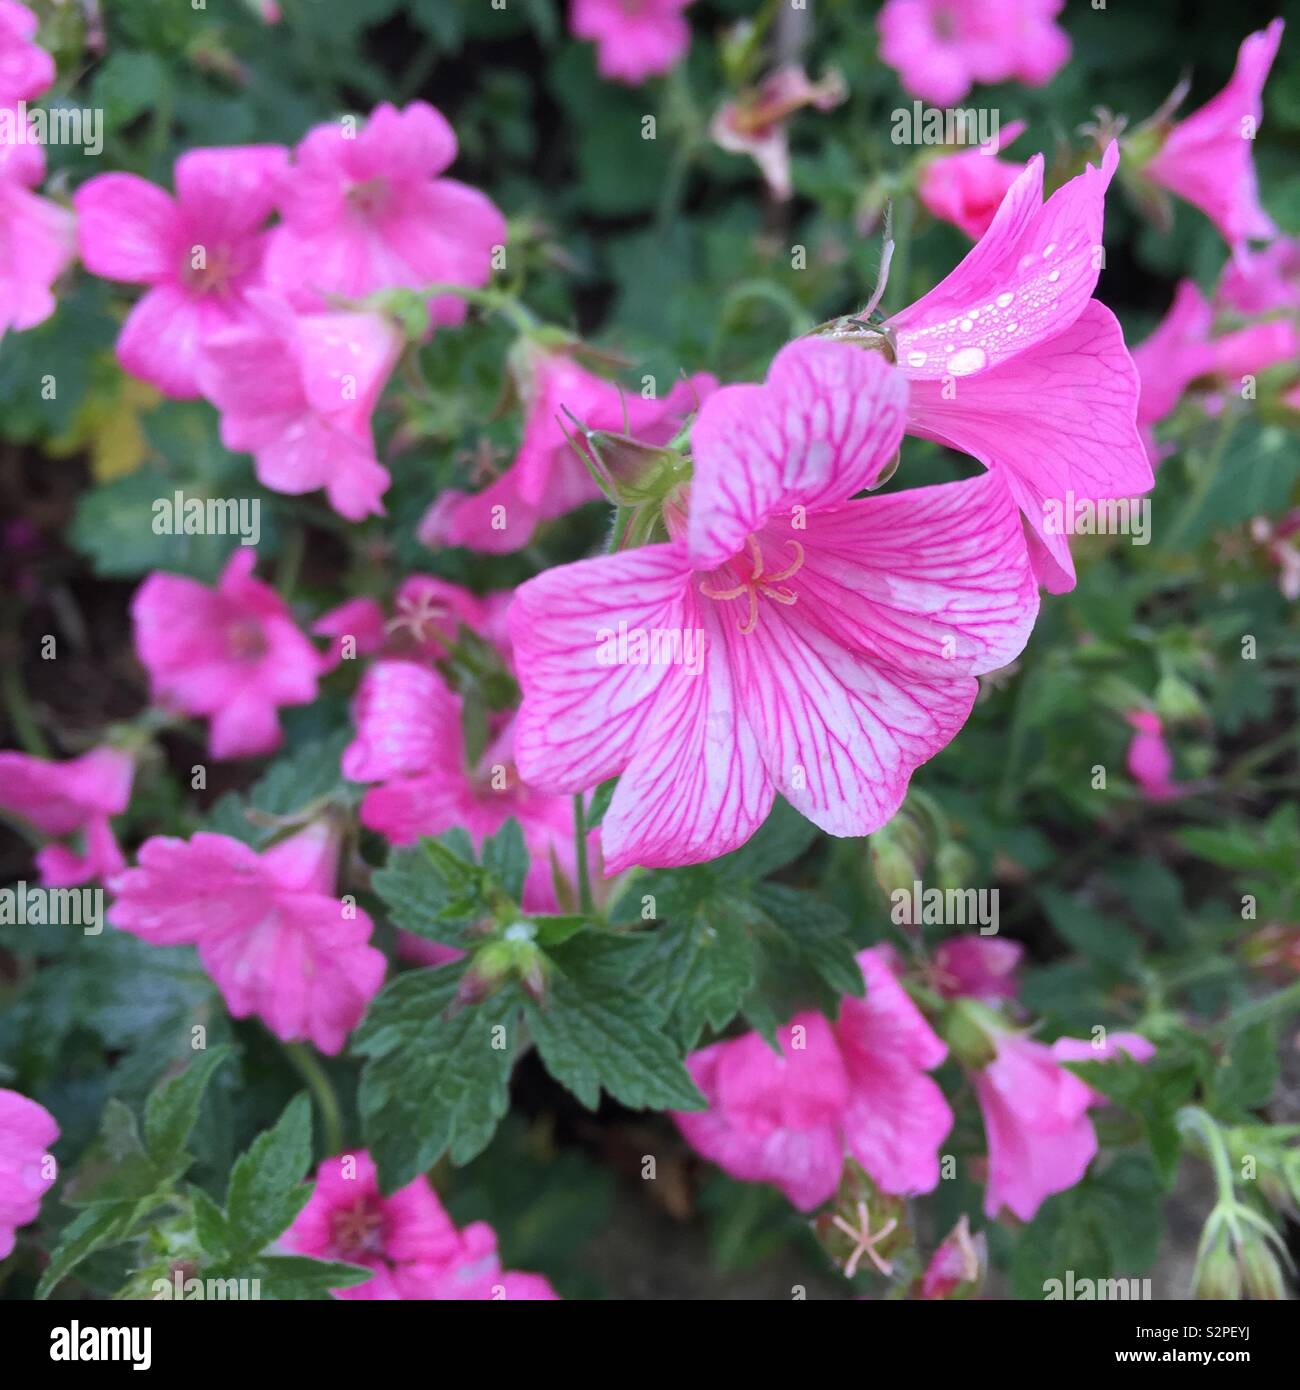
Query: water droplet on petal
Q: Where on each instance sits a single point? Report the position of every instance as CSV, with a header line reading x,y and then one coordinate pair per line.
x,y
1054,276
1004,299
1048,249
916,359
967,325
966,361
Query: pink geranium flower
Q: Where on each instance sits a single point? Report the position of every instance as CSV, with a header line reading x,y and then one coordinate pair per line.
x,y
967,189
857,1086
72,798
634,39
366,210
1036,1122
199,253
1207,158
1010,360
958,1265
297,392
833,644
941,48
406,1239
978,967
27,1131
26,69
1150,763
231,654
547,477
267,926
1263,281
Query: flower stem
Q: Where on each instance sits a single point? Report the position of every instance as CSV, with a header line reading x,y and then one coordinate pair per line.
x,y
585,903
311,1071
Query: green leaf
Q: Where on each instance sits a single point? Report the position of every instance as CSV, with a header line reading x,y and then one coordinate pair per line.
x,y
89,1231
115,1167
598,1030
506,859
818,932
293,1278
172,1109
436,1082
779,841
209,1225
431,890
1248,1073
308,775
599,802
266,1190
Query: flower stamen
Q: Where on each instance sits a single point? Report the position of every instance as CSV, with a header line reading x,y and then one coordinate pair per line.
x,y
759,584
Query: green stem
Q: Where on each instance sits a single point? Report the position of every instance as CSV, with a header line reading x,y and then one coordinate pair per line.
x,y
1260,1011
19,709
1204,481
585,904
313,1074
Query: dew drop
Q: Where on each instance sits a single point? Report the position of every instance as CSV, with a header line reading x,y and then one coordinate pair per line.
x,y
966,361
1054,276
1004,299
967,325
1049,249
916,359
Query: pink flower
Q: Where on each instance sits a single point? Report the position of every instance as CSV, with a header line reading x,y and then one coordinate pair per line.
x,y
941,48
967,189
356,627
857,1086
634,39
1207,157
1036,1121
297,392
199,253
825,647
756,124
268,929
547,477
27,1131
1255,348
1104,1050
72,798
1010,360
37,237
231,654
1150,763
957,1265
26,69
1175,354
365,210
978,967
406,1239
1260,282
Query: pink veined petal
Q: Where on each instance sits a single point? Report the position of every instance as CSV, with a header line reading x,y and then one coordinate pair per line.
x,y
160,341
127,229
1056,421
806,1086
448,233
821,428
230,191
582,720
932,581
246,725
1026,281
695,787
407,723
246,372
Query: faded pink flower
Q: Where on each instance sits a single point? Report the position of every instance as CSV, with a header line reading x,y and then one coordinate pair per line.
x,y
941,48
1207,158
1259,282
756,124
355,628
634,39
268,928
200,253
1104,1050
231,654
26,69
958,1265
967,189
833,644
406,1239
547,477
1255,348
1175,354
297,392
1150,763
75,798
366,210
27,1131
1040,1138
978,967
858,1086
1281,540
1010,360
37,237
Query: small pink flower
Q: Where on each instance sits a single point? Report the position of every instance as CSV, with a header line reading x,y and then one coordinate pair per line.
x,y
297,392
1011,360
958,1264
1259,282
27,1131
1207,158
858,1086
406,1239
941,48
268,928
967,189
1040,1138
756,124
1150,763
1175,354
231,654
834,643
72,798
1255,348
26,69
366,210
978,967
547,477
200,253
634,39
